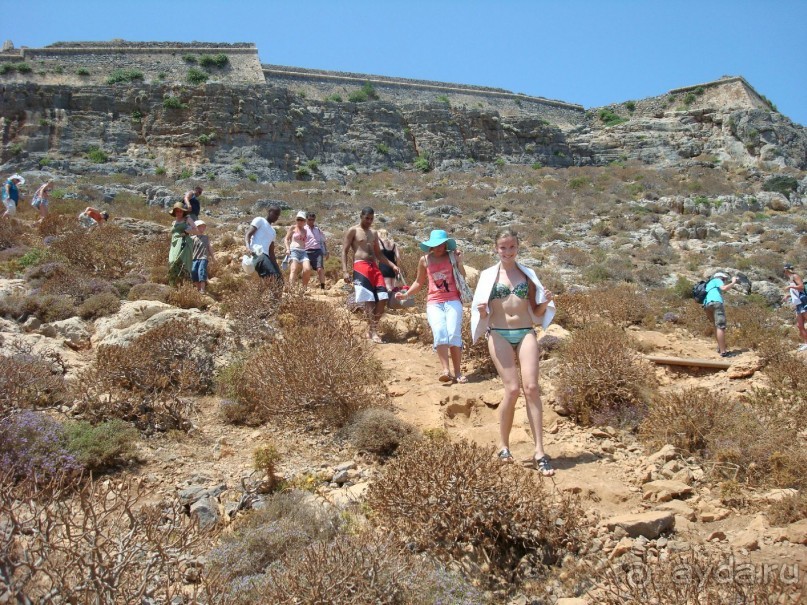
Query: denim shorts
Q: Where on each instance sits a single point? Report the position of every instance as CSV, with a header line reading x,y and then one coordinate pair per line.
x,y
199,270
298,255
445,320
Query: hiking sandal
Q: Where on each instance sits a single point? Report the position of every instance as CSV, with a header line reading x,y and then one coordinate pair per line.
x,y
543,466
504,455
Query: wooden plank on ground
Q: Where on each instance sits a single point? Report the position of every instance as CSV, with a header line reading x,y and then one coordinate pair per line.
x,y
692,362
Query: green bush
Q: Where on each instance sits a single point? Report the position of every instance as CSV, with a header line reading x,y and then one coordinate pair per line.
x,y
206,139
173,103
689,98
336,98
443,99
124,75
209,61
302,173
630,105
365,93
197,76
96,155
81,71
160,170
99,305
781,184
23,68
188,58
102,446
609,118
6,68
422,163
185,174
382,148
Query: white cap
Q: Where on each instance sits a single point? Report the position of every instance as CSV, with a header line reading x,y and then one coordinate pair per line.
x,y
721,275
302,214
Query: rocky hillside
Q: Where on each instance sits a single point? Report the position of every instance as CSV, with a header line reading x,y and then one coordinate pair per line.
x,y
275,134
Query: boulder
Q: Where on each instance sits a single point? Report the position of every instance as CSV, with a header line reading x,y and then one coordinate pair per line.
x,y
74,330
132,324
665,490
206,512
797,532
650,524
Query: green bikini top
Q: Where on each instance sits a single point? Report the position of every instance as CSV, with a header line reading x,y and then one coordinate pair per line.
x,y
500,290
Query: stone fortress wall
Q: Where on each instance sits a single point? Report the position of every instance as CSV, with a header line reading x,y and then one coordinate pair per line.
x,y
321,84
162,62
92,63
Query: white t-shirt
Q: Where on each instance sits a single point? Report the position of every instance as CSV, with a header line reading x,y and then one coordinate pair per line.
x,y
264,234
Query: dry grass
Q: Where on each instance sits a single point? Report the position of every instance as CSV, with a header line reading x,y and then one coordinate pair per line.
x,y
457,502
186,296
317,370
106,251
600,380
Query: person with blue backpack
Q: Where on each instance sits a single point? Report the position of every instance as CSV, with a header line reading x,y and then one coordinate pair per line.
x,y
715,311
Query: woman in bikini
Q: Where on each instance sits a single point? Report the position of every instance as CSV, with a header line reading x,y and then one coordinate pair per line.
x,y
509,299
443,307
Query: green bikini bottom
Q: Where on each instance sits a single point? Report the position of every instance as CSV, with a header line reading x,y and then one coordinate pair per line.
x,y
512,335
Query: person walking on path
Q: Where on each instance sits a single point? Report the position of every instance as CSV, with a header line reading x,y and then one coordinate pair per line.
x,y
368,283
315,248
715,311
508,301
296,237
41,199
11,194
202,254
192,202
443,304
259,240
390,250
796,295
180,256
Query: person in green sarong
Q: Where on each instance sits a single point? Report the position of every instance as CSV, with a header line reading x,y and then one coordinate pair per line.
x,y
180,256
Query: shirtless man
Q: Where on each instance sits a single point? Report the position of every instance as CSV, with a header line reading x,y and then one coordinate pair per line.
x,y
366,278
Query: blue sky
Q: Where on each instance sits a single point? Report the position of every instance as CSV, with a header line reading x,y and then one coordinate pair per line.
x,y
590,52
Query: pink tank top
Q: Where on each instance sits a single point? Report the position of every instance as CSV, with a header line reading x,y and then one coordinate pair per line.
x,y
441,280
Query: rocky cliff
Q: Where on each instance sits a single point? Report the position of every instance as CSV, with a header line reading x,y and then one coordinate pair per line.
x,y
271,133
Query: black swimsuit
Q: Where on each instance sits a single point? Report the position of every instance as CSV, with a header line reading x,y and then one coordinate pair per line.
x,y
386,270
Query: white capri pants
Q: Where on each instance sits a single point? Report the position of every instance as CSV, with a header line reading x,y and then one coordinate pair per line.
x,y
445,320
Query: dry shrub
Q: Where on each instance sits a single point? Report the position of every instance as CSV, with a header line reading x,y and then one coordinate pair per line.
x,y
363,569
751,324
698,578
57,224
99,305
186,296
11,233
318,371
61,280
145,382
575,309
98,544
459,503
783,367
29,380
689,420
46,307
600,379
252,306
622,304
106,250
756,440
573,257
788,510
379,431
288,522
150,291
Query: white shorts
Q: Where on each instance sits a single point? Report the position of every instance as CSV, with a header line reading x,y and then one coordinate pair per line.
x,y
445,320
11,207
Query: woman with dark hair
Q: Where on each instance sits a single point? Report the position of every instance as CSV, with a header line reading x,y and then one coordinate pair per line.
x,y
180,256
509,300
390,250
444,305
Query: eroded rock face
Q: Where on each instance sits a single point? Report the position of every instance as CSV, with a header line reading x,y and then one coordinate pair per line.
x,y
272,132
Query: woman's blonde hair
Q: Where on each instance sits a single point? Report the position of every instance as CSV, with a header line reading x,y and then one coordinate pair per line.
x,y
384,234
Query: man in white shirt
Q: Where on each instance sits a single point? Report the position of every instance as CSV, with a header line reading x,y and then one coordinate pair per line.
x,y
260,242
